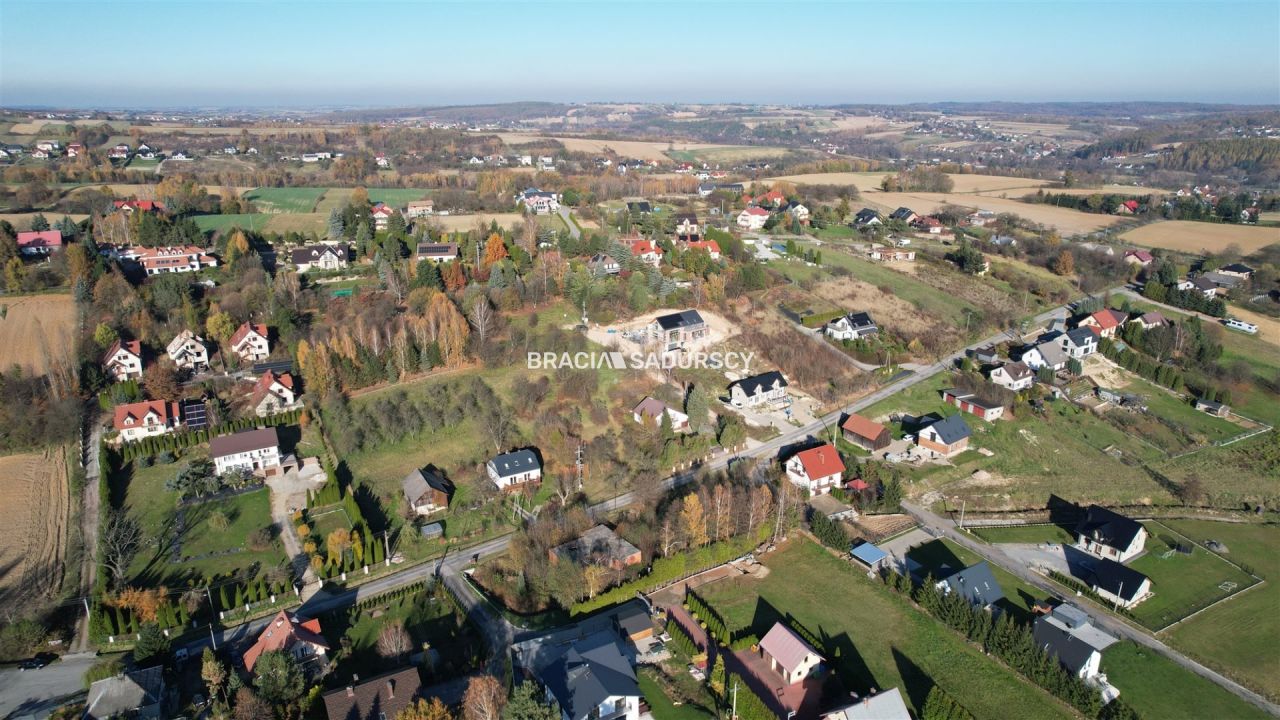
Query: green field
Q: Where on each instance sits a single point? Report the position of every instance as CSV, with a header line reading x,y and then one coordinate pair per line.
x,y
1157,688
1240,636
1181,583
873,638
397,197
661,706
1024,534
285,200
255,222
1019,597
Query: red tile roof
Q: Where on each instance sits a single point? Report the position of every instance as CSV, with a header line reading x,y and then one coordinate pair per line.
x,y
863,427
131,346
40,239
640,247
283,631
164,409
821,461
243,331
711,246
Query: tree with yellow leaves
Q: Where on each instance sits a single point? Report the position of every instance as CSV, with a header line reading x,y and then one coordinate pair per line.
x,y
220,326
693,521
336,544
495,250
144,603
424,710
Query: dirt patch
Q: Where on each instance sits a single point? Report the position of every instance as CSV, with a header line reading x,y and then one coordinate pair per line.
x,y
1066,220
1105,373
1199,237
638,149
36,330
33,542
611,336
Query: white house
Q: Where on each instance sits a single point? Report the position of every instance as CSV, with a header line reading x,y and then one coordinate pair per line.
x,y
123,360
188,351
647,252
789,655
817,469
539,202
420,208
135,421
255,450
1047,354
1107,534
1117,584
1080,342
179,259
273,394
514,469
381,213
650,410
1013,376
320,257
753,218
250,342
851,327
770,387
591,678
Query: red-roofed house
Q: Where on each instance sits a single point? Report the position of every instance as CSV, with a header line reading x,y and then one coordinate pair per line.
x,y
381,215
772,198
753,218
864,433
39,242
123,360
1104,322
1128,207
128,206
929,224
1138,257
273,394
139,420
817,469
711,246
286,633
250,342
647,251
789,655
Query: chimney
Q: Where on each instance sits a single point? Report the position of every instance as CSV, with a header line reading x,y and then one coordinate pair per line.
x,y
351,692
391,690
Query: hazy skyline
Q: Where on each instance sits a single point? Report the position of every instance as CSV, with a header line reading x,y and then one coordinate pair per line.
x,y
172,54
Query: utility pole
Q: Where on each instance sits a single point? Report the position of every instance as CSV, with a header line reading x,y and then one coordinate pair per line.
x,y
578,463
962,505
386,546
733,715
213,639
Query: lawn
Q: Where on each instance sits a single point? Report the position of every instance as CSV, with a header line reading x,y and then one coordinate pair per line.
x,y
1019,597
662,706
1025,534
873,637
927,298
1157,688
1181,583
396,197
285,200
1238,637
248,221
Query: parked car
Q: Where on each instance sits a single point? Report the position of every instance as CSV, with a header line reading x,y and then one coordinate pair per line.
x,y
36,662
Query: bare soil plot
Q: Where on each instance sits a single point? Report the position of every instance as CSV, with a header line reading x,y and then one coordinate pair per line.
x,y
33,540
22,221
1198,237
1100,190
35,329
870,181
889,309
1066,220
639,149
455,223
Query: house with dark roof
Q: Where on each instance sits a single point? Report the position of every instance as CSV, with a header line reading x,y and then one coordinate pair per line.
x,y
946,437
1240,270
1079,343
601,264
426,491
851,326
639,207
513,470
865,433
598,546
651,409
904,214
1013,376
972,404
591,679
976,584
379,698
687,223
1118,584
1067,634
137,694
817,469
674,332
788,654
320,257
1108,534
257,451
435,252
866,217
769,387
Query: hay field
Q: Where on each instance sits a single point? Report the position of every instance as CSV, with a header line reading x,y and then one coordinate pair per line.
x,y
455,223
1198,237
297,222
639,149
1066,220
35,329
871,180
22,221
1101,190
33,543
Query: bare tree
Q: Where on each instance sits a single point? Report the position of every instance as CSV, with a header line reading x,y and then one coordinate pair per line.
x,y
481,318
120,542
394,641
485,699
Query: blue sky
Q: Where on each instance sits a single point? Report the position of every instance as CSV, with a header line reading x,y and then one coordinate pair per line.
x,y
207,53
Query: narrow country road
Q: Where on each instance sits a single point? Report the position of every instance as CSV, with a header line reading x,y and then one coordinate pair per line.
x,y
947,527
568,221
90,512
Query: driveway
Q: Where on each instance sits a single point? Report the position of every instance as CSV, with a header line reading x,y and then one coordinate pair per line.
x,y
289,493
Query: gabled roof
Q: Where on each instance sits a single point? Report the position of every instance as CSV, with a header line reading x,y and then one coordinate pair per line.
x,y
243,331
869,553
244,441
711,246
951,429
863,427
821,461
119,695
786,647
1056,639
1116,579
764,382
40,239
175,345
419,482
682,319
600,543
650,407
281,633
977,584
1237,267
757,211
887,705
1052,352
1140,255
437,249
1017,370
386,695
132,414
132,347
1108,527
587,673
1152,318
643,247
312,253
902,213
515,463
266,382
1107,318
1081,336
860,320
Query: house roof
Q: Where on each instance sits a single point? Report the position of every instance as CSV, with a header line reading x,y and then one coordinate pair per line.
x,y
860,320
866,214
175,345
117,696
786,647
887,705
1116,579
977,584
764,382
587,673
863,427
757,211
952,393
599,545
418,483
1053,353
40,239
902,213
1017,370
632,617
1140,255
137,411
437,249
869,553
133,347
243,331
641,247
1107,319
282,632
821,461
266,382
312,253
383,696
682,319
711,246
1056,639
515,463
1108,527
1081,336
1237,267
1153,318
951,429
244,441
650,407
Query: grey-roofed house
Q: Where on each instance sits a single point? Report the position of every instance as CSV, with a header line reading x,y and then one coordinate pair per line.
x,y
1108,534
514,469
674,331
1118,584
769,387
1067,634
905,214
946,437
976,584
866,217
1079,342
851,326
598,546
320,257
426,491
1047,354
592,679
639,207
887,705
137,694
601,264
255,450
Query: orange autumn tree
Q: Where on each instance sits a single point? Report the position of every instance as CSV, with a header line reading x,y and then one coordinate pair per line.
x,y
144,603
495,250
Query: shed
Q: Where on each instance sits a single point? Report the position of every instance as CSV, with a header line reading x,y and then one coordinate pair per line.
x,y
433,531
870,555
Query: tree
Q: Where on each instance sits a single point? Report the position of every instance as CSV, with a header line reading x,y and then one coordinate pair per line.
x,y
693,521
527,704
495,250
220,326
697,406
161,380
152,646
251,707
424,710
39,223
940,706
481,317
394,641
121,538
105,335
213,672
1064,264
485,699
278,678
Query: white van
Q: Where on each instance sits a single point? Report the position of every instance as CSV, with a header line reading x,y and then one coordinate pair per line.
x,y
1242,326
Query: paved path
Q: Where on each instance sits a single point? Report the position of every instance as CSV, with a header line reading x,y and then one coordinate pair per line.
x,y
568,220
289,493
36,693
1102,619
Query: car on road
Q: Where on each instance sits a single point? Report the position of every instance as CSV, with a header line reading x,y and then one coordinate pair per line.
x,y
36,662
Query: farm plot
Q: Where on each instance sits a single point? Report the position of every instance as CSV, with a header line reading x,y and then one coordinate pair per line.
x,y
255,222
35,330
871,181
638,149
1066,220
33,542
1199,237
297,222
285,200
22,221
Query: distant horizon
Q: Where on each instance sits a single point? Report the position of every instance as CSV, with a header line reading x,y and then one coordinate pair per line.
x,y
210,54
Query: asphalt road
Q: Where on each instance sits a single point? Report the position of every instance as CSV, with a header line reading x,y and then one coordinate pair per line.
x,y
36,693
